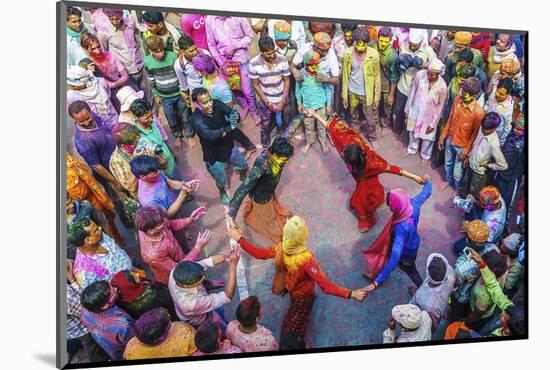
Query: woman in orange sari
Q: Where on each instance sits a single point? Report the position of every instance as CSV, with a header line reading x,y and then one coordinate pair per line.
x,y
365,165
82,185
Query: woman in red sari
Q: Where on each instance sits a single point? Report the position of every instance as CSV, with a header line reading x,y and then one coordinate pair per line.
x,y
365,165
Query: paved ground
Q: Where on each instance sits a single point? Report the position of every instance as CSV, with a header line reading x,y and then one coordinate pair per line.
x,y
318,188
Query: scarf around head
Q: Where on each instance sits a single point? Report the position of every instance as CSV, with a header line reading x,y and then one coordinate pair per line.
x,y
400,205
93,93
128,291
429,261
500,56
295,234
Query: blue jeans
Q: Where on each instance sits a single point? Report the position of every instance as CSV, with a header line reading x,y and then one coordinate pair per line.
x,y
217,169
178,116
453,165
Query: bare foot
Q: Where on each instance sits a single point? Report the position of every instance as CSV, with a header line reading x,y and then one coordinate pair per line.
x,y
192,141
407,154
178,143
305,149
257,119
444,185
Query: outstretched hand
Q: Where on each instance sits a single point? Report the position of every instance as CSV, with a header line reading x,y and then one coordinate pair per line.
x,y
198,213
359,294
234,230
203,239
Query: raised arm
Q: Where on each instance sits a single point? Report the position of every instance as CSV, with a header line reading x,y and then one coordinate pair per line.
x,y
248,184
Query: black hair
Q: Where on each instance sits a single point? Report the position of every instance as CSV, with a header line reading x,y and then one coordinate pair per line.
x,y
516,323
266,43
248,311
142,165
490,121
76,233
437,269
347,27
188,273
153,17
185,42
71,10
206,337
198,92
282,146
355,156
466,55
95,296
506,83
140,107
496,262
77,107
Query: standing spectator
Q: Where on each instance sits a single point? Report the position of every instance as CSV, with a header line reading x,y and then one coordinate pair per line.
x,y
83,85
157,26
459,133
109,65
110,326
389,73
159,65
158,337
462,41
503,49
312,94
270,76
415,325
246,332
361,83
75,28
208,340
228,40
424,108
500,101
193,26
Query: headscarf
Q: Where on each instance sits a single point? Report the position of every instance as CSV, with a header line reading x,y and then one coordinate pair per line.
x,y
489,195
295,234
510,65
431,257
463,38
322,40
408,316
512,242
436,65
312,57
476,230
93,93
128,291
282,30
415,36
400,205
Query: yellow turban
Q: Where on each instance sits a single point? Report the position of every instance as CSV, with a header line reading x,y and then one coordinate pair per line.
x,y
477,231
463,38
510,65
295,235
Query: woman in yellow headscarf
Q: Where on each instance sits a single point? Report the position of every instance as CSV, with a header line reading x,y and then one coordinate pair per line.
x,y
301,272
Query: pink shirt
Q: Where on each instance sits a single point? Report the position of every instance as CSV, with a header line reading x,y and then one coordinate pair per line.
x,y
226,348
225,32
194,26
163,253
262,340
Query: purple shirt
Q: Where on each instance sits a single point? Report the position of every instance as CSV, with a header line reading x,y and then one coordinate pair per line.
x,y
95,145
156,194
111,329
194,26
223,32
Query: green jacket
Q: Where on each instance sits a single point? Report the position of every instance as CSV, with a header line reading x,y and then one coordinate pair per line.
x,y
371,68
494,289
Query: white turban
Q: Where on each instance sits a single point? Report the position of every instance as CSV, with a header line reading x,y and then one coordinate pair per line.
x,y
415,36
78,76
436,65
408,315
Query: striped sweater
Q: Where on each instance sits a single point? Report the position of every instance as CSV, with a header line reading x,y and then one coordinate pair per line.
x,y
162,75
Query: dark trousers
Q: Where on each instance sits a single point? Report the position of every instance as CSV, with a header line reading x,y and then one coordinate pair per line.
x,y
241,138
178,115
398,123
409,267
93,350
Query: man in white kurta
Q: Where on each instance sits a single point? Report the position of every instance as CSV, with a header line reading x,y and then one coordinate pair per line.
x,y
424,108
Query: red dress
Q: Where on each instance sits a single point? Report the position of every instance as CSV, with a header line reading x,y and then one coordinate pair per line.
x,y
369,193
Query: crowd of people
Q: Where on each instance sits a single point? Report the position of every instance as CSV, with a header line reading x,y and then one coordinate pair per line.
x,y
145,86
